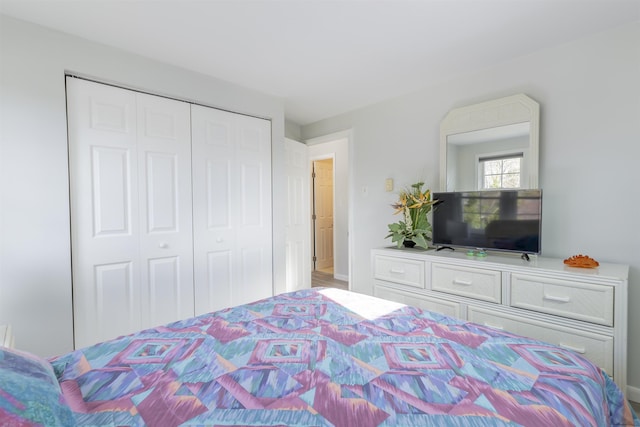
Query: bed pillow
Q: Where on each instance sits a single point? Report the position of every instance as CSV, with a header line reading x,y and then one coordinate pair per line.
x,y
29,392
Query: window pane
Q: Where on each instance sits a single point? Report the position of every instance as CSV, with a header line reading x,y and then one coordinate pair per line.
x,y
511,166
501,173
492,181
511,180
493,167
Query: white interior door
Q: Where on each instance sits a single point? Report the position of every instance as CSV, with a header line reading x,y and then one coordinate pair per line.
x,y
164,174
104,211
232,208
254,247
130,210
323,203
298,217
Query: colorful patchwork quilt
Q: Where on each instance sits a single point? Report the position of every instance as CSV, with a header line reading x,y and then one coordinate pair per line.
x,y
326,357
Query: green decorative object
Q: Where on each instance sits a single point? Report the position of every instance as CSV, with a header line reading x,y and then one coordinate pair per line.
x,y
414,204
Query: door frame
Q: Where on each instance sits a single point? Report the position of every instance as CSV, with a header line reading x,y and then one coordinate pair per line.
x,y
346,135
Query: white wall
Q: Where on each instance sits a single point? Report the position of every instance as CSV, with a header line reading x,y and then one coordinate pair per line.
x,y
589,93
292,130
339,150
35,261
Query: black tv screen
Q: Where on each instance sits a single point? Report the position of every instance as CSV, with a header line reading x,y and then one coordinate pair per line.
x,y
500,220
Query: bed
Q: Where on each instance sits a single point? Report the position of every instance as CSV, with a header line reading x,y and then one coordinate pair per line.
x,y
320,357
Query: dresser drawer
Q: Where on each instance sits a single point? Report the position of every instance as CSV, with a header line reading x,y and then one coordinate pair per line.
x,y
595,347
572,299
397,270
436,305
475,283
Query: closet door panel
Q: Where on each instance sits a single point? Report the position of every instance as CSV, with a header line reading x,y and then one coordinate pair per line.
x,y
111,192
251,195
130,178
253,283
213,139
166,292
166,241
232,208
218,195
253,234
162,195
104,211
210,296
115,290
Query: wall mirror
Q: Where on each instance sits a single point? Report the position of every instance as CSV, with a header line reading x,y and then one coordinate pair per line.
x,y
490,145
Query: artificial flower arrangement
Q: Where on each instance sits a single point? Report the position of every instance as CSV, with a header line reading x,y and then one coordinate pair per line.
x,y
415,229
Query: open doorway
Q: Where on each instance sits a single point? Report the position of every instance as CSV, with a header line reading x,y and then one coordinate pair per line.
x,y
328,164
322,225
322,215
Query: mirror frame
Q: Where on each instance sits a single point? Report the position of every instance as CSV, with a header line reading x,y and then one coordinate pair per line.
x,y
495,113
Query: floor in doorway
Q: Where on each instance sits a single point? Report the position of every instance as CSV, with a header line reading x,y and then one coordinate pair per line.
x,y
326,280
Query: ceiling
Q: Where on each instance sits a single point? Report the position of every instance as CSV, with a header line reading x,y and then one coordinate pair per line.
x,y
327,57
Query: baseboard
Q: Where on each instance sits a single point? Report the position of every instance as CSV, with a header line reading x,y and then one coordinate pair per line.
x,y
633,394
341,277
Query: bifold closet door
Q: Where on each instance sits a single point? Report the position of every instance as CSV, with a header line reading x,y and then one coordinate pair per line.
x,y
232,208
130,186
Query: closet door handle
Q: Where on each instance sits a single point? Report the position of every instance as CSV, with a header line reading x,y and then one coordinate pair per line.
x,y
163,245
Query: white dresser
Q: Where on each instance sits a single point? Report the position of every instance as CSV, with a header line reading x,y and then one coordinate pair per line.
x,y
583,310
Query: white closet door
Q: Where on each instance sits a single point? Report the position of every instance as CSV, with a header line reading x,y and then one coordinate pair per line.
x,y
254,230
232,208
164,174
129,200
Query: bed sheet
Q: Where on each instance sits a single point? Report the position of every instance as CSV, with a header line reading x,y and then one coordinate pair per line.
x,y
326,357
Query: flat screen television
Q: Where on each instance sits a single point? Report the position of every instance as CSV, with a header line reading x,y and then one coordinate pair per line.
x,y
500,220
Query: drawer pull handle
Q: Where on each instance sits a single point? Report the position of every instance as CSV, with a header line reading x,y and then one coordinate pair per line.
x,y
556,299
462,282
397,270
580,350
500,328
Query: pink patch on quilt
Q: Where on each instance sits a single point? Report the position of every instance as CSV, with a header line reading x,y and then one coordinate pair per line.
x,y
342,411
461,336
507,406
221,331
346,337
163,407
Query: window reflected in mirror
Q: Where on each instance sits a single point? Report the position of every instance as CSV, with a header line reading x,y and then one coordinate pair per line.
x,y
500,171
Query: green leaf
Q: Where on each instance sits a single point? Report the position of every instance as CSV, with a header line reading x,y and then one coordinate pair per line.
x,y
394,227
421,241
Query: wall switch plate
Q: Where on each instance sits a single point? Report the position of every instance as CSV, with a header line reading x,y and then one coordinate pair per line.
x,y
388,184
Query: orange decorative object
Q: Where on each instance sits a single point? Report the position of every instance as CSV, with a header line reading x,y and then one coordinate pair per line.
x,y
582,261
